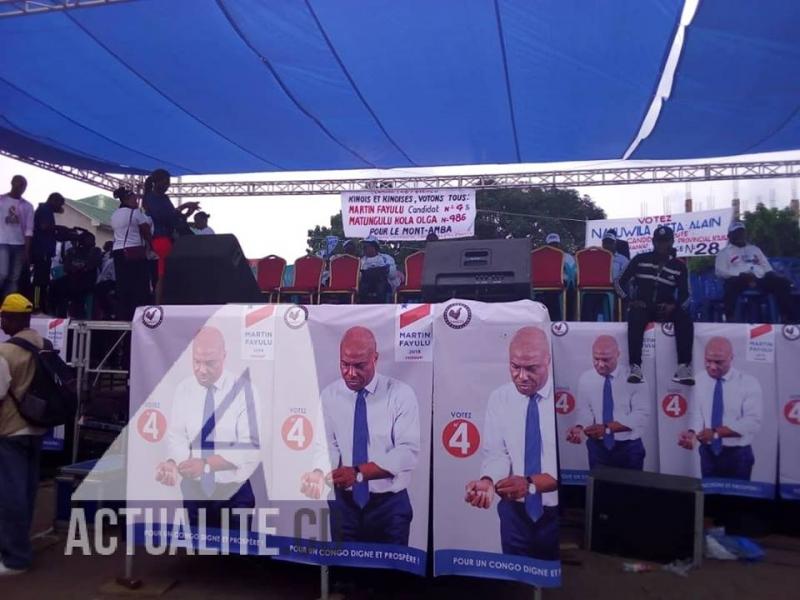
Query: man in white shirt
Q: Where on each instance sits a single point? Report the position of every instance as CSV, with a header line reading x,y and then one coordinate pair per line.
x,y
612,413
16,233
620,261
213,437
370,450
200,226
725,415
744,267
519,452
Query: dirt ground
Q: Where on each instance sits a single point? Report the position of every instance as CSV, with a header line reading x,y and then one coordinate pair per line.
x,y
232,577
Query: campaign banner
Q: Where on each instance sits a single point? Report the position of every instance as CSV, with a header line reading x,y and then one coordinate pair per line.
x,y
723,429
788,359
399,215
56,331
702,233
198,439
495,502
353,390
592,393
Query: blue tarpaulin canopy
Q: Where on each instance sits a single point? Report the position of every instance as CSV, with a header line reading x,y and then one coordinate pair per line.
x,y
232,86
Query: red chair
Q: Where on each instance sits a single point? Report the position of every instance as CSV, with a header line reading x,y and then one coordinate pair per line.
x,y
412,286
547,275
269,274
595,266
344,278
307,279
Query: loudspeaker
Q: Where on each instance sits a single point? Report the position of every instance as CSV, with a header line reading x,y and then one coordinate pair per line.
x,y
209,269
487,270
644,515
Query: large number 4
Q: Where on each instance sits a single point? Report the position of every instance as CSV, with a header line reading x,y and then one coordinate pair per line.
x,y
562,403
460,438
150,426
674,406
297,433
794,413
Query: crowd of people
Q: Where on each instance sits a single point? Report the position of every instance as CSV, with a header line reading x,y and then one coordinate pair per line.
x,y
64,272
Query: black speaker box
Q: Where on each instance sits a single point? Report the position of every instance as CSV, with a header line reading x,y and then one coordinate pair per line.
x,y
209,269
643,515
487,270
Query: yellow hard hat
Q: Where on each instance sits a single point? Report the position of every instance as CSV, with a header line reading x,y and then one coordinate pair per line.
x,y
16,303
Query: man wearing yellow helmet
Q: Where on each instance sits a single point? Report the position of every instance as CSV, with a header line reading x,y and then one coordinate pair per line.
x,y
20,442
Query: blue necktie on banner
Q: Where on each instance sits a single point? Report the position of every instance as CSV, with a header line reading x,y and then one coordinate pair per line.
x,y
608,412
533,456
360,443
716,416
206,445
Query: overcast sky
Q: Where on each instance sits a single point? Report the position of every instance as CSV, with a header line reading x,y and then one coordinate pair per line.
x,y
278,225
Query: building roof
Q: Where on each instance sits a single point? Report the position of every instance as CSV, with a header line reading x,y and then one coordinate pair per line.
x,y
97,208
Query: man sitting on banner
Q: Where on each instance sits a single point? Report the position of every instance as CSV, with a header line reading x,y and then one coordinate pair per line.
x,y
725,415
744,267
377,272
661,293
519,451
213,437
20,442
370,448
612,413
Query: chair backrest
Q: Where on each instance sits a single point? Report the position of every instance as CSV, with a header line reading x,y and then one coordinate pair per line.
x,y
344,272
308,272
414,265
270,272
547,267
594,267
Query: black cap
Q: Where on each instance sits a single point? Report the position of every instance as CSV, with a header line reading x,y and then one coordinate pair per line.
x,y
663,232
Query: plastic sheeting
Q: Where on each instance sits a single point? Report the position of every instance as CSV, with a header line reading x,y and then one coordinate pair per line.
x,y
230,86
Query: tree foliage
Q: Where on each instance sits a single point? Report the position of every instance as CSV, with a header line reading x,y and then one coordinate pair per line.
x,y
773,230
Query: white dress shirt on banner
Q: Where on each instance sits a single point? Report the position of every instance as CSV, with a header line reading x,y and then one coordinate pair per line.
x,y
231,428
631,405
742,406
393,424
504,436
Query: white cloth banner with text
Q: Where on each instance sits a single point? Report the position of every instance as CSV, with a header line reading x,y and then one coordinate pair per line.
x,y
701,233
393,215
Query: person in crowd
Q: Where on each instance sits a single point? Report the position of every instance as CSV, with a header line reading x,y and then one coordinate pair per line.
x,y
20,442
620,260
81,265
519,452
213,435
370,448
350,247
743,266
612,413
725,416
200,225
661,294
432,237
377,272
131,234
570,267
43,247
16,233
167,220
104,296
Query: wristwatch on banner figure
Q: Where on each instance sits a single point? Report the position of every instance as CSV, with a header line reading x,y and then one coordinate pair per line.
x,y
206,467
359,474
531,486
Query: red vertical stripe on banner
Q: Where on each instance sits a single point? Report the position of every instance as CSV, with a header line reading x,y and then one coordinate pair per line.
x,y
258,315
54,323
415,314
649,326
759,331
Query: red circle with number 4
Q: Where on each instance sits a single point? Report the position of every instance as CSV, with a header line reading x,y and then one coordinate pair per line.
x,y
152,425
565,403
297,432
792,411
461,438
674,405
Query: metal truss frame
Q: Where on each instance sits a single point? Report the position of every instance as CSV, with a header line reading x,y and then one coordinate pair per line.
x,y
23,8
560,179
